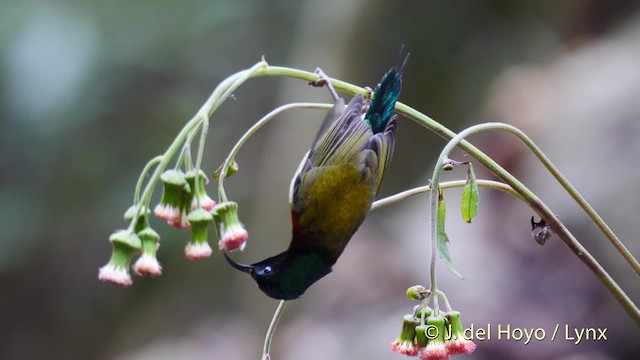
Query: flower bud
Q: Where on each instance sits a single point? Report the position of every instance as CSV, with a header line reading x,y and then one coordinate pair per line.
x,y
125,245
232,169
143,221
175,189
417,293
147,264
198,248
458,343
423,312
233,236
199,193
435,332
404,344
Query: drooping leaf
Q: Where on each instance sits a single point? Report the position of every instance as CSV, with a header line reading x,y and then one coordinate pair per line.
x,y
442,239
470,196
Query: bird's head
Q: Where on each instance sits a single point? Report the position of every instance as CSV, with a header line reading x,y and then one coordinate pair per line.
x,y
285,276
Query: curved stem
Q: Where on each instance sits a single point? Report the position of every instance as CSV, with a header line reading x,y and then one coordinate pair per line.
x,y
143,174
444,298
445,185
272,328
260,123
556,225
216,98
574,193
197,182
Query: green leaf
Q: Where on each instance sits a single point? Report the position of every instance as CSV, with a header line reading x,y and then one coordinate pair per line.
x,y
470,196
442,239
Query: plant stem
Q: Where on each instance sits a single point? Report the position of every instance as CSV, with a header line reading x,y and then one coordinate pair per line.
x,y
272,328
143,174
556,225
575,194
260,123
216,98
198,184
446,185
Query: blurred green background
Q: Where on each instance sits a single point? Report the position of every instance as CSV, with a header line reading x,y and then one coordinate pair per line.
x,y
89,91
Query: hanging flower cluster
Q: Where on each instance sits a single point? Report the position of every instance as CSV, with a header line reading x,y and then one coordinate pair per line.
x,y
431,334
184,205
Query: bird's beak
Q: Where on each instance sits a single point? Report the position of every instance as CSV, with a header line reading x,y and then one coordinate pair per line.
x,y
242,267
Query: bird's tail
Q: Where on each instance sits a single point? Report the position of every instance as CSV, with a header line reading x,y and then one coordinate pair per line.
x,y
385,95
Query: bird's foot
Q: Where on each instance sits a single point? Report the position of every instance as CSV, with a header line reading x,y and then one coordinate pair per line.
x,y
324,81
367,98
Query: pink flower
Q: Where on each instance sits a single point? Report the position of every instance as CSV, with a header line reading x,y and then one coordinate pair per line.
x,y
179,221
147,265
175,195
405,344
435,350
196,181
458,343
125,244
115,275
233,238
197,251
404,348
233,235
460,346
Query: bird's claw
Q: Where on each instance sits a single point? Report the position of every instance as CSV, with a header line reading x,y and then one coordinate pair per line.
x,y
324,80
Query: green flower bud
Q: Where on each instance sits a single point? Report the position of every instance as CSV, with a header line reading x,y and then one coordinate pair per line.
x,y
404,344
175,189
423,312
421,335
143,221
199,195
232,169
417,293
457,342
125,245
435,331
233,236
198,248
147,264
439,324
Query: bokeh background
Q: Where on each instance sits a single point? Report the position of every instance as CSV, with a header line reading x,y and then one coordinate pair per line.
x,y
89,91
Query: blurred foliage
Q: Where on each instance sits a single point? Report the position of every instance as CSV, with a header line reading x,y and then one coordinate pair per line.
x,y
89,91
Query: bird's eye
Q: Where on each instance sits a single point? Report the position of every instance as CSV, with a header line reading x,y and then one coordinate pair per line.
x,y
267,269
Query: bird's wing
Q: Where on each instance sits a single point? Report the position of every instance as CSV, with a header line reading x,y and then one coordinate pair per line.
x,y
339,128
382,145
338,178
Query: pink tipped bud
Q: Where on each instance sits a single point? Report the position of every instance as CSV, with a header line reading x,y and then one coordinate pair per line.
x,y
200,197
147,264
405,343
458,343
115,275
180,221
125,245
198,247
233,235
436,331
435,351
197,251
176,199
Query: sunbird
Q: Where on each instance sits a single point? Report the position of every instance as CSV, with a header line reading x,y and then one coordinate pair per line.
x,y
333,189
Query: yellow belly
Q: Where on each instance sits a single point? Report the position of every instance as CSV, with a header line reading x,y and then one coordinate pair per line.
x,y
336,203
